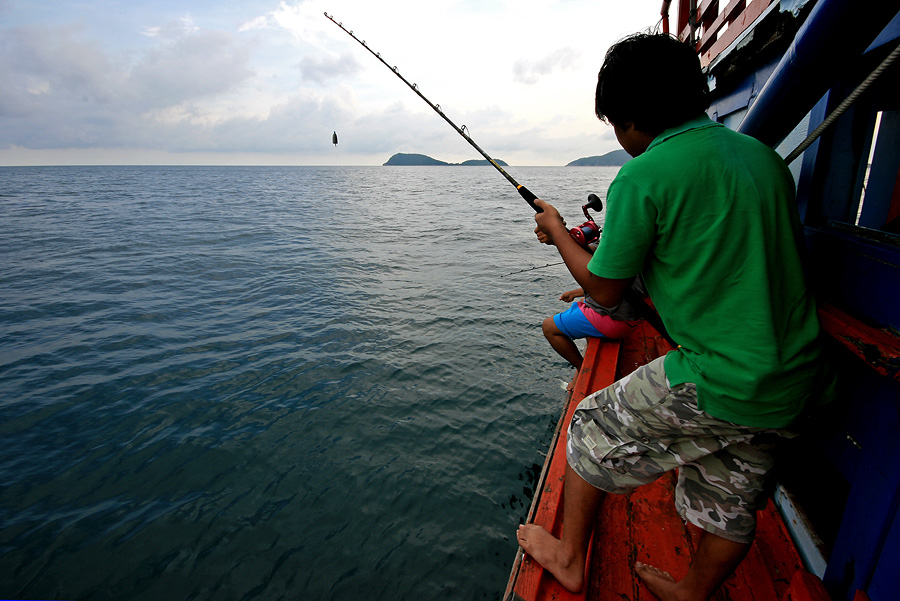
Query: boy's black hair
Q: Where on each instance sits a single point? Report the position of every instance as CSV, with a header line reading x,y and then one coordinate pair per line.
x,y
651,80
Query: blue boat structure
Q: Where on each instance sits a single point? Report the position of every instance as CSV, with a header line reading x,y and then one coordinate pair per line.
x,y
819,80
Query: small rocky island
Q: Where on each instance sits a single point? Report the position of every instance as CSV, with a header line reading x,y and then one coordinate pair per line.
x,y
616,158
407,160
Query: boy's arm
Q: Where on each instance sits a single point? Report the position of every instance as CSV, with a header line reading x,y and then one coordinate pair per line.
x,y
552,230
571,295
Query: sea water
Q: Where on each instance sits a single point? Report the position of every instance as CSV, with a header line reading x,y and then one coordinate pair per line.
x,y
273,382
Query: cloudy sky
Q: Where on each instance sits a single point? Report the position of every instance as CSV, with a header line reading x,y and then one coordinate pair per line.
x,y
268,81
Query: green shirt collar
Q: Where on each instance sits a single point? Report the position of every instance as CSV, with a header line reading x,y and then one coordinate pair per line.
x,y
699,122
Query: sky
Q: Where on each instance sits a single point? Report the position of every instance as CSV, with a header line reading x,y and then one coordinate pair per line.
x,y
266,82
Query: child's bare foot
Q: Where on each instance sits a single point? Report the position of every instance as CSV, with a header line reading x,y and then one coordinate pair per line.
x,y
545,549
658,581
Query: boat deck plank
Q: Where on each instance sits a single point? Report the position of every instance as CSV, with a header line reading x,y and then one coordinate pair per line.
x,y
599,370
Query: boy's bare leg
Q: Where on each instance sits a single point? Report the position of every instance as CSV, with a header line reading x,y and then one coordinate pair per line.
x,y
565,558
715,560
561,343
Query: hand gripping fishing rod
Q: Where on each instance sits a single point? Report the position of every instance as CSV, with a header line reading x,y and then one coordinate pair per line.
x,y
523,191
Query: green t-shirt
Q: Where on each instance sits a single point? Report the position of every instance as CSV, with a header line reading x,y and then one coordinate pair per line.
x,y
708,217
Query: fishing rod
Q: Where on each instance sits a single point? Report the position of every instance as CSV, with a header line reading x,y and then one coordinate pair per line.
x,y
523,191
584,234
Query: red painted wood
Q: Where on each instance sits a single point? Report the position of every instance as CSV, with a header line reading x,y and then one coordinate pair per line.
x,y
659,534
682,22
740,23
641,527
806,587
776,549
752,580
598,371
727,15
611,575
894,208
879,348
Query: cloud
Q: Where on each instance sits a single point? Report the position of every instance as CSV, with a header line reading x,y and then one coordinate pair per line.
x,y
45,69
319,69
279,88
173,29
529,72
304,123
190,93
191,67
189,89
261,22
60,91
292,18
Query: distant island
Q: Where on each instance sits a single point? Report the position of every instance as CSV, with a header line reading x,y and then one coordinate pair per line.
x,y
406,160
616,158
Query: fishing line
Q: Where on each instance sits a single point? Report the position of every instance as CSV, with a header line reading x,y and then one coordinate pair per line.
x,y
533,268
523,191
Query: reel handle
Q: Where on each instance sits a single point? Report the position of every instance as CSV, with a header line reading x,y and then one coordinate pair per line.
x,y
594,203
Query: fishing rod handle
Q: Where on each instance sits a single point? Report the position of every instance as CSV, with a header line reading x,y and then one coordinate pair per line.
x,y
529,197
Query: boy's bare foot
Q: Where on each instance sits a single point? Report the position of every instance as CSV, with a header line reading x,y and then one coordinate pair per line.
x,y
545,549
658,581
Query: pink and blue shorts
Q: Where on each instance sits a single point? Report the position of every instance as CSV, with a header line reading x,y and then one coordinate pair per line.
x,y
580,321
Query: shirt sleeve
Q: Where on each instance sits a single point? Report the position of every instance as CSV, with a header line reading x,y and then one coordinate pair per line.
x,y
628,231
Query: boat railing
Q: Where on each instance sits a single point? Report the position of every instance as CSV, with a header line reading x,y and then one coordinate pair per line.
x,y
712,25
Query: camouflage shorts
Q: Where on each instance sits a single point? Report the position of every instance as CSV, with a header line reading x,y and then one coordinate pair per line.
x,y
634,431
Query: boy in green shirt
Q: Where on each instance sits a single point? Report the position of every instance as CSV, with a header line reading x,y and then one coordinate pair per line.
x,y
708,217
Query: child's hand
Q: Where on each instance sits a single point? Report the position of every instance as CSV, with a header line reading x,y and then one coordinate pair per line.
x,y
542,237
549,222
571,295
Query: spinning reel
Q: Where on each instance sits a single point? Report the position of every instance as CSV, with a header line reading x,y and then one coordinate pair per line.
x,y
589,231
